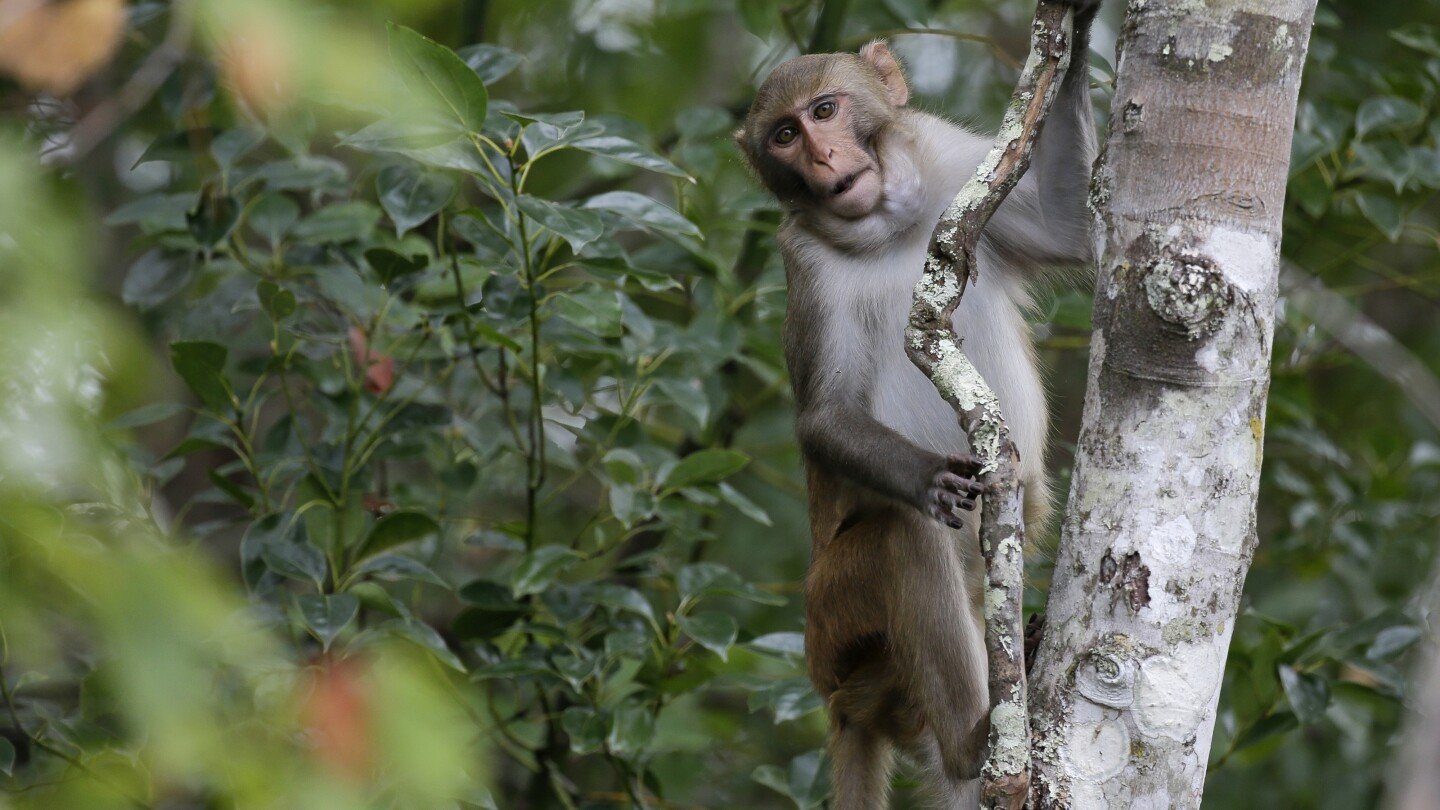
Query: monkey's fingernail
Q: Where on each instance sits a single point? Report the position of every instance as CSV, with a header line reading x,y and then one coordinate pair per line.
x,y
967,505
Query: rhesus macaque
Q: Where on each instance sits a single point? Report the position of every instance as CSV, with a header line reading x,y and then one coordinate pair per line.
x,y
894,640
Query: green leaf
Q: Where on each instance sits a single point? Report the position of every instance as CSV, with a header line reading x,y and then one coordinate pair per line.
x,y
234,490
390,265
1418,35
1389,161
702,579
411,197
490,62
398,567
396,529
591,307
425,636
300,561
489,334
704,467
304,173
213,220
784,644
201,364
629,152
1307,693
621,598
155,278
338,222
586,728
712,630
326,615
402,137
689,396
1392,641
278,302
1387,114
539,568
146,415
7,757
576,226
272,216
644,212
1383,212
231,145
804,782
553,126
787,699
743,505
440,77
155,212
487,595
631,729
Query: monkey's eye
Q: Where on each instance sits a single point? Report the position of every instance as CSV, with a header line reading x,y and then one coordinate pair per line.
x,y
786,135
824,110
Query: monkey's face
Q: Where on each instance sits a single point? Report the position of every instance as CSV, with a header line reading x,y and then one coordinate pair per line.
x,y
819,141
812,130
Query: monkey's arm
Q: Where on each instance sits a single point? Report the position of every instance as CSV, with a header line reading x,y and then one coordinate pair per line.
x,y
848,441
1045,220
830,371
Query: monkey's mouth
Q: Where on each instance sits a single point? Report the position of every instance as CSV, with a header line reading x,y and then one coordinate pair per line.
x,y
847,182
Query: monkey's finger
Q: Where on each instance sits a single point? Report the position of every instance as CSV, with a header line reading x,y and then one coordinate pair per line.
x,y
964,464
967,505
976,488
954,483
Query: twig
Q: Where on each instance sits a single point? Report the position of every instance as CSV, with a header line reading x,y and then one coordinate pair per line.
x,y
95,127
934,348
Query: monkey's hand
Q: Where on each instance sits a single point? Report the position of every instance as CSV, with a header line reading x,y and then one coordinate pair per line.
x,y
953,487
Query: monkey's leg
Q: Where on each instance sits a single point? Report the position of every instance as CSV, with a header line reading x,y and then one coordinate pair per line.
x,y
937,639
860,767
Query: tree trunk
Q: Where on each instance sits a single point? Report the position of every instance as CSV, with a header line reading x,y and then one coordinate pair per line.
x,y
1160,526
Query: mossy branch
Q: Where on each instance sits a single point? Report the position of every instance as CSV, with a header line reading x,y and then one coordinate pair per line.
x,y
931,343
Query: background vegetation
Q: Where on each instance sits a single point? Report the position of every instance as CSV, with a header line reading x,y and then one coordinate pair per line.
x,y
400,421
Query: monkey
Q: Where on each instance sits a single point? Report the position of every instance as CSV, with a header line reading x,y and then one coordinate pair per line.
x,y
894,639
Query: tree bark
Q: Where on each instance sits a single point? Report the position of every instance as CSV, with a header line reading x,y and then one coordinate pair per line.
x,y
1160,526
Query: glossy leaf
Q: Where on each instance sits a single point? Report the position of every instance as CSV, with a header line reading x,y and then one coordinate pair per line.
x,y
201,364
411,197
712,630
440,78
327,615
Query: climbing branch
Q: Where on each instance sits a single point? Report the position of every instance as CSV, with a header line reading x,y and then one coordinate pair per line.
x,y
933,346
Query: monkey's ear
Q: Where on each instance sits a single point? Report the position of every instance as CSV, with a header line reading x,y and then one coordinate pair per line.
x,y
877,53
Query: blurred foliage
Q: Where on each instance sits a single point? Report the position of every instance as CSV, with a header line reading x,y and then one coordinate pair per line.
x,y
397,421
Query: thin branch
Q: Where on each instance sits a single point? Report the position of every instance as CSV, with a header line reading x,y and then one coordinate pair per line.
x,y
933,346
98,125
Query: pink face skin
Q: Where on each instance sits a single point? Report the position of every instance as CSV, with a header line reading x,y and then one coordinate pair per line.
x,y
819,144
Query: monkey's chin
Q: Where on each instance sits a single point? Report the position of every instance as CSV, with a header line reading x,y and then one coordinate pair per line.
x,y
861,198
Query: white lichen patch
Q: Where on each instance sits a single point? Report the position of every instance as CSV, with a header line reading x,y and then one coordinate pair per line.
x,y
1173,541
1247,259
1011,754
1219,51
1097,751
1174,694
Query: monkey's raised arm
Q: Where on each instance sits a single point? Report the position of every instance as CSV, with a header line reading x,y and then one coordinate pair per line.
x,y
1045,220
